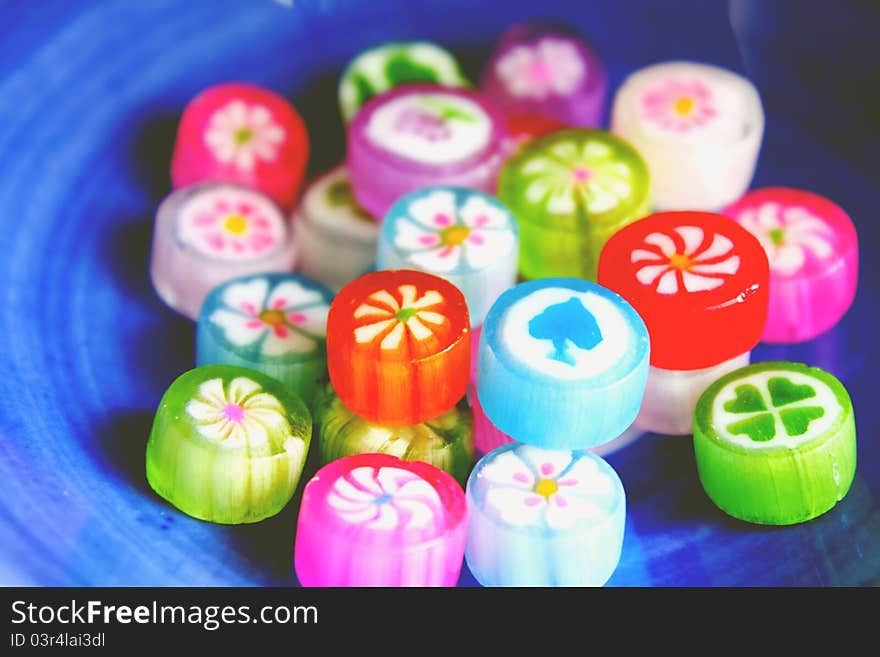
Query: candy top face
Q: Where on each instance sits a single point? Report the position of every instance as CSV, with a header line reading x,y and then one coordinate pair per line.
x,y
566,330
383,67
447,230
699,281
572,178
803,234
537,490
773,406
430,127
378,498
329,204
269,316
692,103
231,223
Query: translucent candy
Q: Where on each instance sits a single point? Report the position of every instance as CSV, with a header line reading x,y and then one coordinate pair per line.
x,y
544,518
210,233
699,128
374,520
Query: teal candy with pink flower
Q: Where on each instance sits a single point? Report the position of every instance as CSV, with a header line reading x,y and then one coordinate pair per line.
x,y
465,236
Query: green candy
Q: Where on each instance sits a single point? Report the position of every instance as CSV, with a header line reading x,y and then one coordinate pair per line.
x,y
446,442
228,444
392,64
775,442
570,191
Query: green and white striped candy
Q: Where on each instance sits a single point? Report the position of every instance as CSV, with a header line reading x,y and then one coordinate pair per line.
x,y
775,442
392,64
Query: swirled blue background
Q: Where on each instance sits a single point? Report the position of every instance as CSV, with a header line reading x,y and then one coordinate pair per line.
x,y
89,96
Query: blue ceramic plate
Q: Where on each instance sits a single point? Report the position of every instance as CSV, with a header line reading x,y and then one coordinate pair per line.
x,y
89,96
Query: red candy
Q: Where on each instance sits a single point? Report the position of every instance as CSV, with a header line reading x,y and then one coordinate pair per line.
x,y
244,134
523,127
698,279
398,346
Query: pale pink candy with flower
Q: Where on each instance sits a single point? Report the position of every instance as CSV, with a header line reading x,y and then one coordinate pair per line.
x,y
679,105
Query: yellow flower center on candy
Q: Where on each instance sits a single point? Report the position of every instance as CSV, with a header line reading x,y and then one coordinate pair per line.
x,y
454,235
546,487
680,261
273,318
683,106
235,224
243,136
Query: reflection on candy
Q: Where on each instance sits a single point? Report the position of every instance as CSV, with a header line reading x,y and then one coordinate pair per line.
x,y
464,236
699,128
812,247
543,518
389,65
374,520
274,323
336,238
775,442
210,233
563,363
570,191
228,444
398,346
244,134
421,135
541,71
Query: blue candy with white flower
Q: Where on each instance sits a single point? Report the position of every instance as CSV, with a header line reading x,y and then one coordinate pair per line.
x,y
540,517
274,323
463,235
563,363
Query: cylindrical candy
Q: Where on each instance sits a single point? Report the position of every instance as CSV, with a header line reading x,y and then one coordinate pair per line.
x,y
374,520
537,69
228,444
462,235
544,518
210,233
336,238
570,191
420,135
391,64
398,346
775,442
446,441
244,134
812,247
699,128
563,363
274,323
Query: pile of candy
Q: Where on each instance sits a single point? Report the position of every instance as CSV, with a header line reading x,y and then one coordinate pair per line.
x,y
405,338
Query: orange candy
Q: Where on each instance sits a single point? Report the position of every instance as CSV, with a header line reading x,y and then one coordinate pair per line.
x,y
398,346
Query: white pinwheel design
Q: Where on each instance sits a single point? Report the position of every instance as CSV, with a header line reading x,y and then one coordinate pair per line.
x,y
394,318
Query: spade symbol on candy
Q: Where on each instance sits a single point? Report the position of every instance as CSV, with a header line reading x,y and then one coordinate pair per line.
x,y
563,323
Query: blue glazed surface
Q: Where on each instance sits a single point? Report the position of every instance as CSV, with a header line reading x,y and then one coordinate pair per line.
x,y
89,96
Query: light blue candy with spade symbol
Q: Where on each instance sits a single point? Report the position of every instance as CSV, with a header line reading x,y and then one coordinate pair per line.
x,y
563,363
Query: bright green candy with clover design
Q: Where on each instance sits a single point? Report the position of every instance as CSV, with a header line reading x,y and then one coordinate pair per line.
x,y
446,442
392,64
775,442
228,444
570,191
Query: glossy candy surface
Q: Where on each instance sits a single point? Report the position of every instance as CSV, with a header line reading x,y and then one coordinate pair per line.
x,y
544,71
698,280
374,520
775,442
420,135
544,518
465,236
699,128
209,233
570,191
336,238
812,247
244,134
274,323
563,363
398,346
